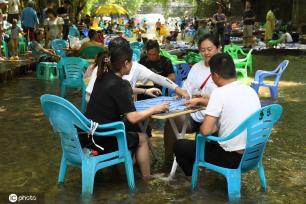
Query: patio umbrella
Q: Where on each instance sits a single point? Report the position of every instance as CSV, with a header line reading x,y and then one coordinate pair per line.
x,y
109,9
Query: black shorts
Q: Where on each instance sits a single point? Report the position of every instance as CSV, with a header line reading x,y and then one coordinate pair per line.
x,y
108,143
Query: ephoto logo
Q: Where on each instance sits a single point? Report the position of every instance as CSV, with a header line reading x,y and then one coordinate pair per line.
x,y
13,198
22,197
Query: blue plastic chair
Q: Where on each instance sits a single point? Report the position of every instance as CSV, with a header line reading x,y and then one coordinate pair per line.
x,y
260,75
178,79
74,31
191,32
183,71
136,45
136,54
58,46
85,32
259,127
64,118
128,33
71,72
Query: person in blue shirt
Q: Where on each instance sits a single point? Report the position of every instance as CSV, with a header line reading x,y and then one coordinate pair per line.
x,y
29,20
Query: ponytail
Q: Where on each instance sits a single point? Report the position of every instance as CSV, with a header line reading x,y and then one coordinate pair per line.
x,y
104,64
114,60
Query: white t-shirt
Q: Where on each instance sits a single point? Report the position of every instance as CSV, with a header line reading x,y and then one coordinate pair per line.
x,y
54,27
232,104
196,77
138,73
13,6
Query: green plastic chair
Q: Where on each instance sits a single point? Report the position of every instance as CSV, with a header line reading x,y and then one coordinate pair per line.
x,y
280,40
168,55
236,52
242,65
47,71
22,45
5,49
90,52
173,58
193,58
178,61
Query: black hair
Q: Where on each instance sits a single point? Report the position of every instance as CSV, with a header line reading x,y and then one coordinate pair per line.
x,y
114,60
51,11
223,65
151,44
91,33
98,59
212,38
37,32
144,40
118,42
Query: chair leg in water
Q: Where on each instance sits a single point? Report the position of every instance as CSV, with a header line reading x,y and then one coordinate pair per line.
x,y
194,179
233,179
88,176
262,178
62,171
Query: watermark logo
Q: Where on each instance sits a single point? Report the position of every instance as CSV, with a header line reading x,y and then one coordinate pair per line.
x,y
13,198
21,197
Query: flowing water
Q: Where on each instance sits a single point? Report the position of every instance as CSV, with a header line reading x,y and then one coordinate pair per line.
x,y
30,152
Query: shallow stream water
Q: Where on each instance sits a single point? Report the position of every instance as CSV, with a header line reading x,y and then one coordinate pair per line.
x,y
30,152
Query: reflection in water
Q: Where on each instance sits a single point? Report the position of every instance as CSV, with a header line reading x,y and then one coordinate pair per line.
x,y
30,153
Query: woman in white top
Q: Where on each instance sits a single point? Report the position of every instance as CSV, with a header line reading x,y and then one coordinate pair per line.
x,y
53,26
138,73
199,85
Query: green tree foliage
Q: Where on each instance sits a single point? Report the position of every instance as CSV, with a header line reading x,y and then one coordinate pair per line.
x,y
206,8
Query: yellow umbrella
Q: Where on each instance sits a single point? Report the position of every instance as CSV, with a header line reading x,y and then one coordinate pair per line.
x,y
109,9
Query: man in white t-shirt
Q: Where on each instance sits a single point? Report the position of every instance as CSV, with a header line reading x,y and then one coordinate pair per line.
x,y
228,106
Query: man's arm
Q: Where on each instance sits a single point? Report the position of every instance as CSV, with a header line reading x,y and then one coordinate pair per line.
x,y
49,52
200,101
209,125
